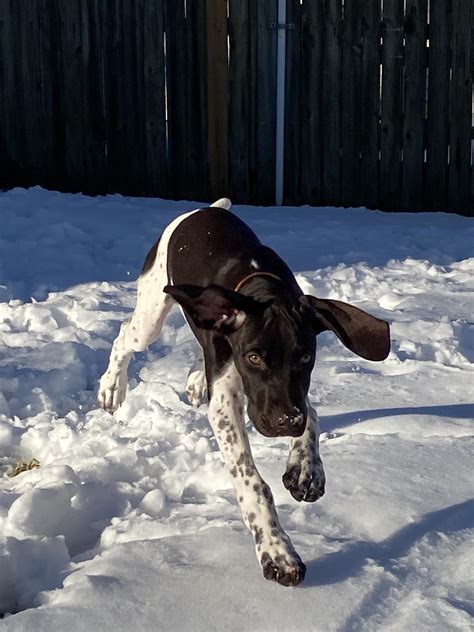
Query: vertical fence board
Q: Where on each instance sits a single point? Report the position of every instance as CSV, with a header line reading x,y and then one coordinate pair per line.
x,y
351,115
20,85
10,148
369,19
58,112
414,87
130,90
94,114
72,93
115,115
470,208
49,60
239,100
217,92
176,96
265,88
137,137
460,116
127,95
16,94
30,77
253,101
331,105
292,167
438,107
196,101
154,99
390,143
6,165
311,103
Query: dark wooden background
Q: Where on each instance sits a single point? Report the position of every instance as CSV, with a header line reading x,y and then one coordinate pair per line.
x,y
177,98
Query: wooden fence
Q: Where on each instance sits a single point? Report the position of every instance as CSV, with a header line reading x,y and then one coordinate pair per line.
x,y
177,98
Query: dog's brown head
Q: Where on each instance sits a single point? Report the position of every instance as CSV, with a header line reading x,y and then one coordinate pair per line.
x,y
273,344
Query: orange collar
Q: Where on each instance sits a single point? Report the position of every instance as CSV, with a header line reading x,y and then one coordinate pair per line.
x,y
254,274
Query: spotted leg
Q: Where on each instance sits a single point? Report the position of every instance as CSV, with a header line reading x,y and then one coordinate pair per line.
x,y
276,554
137,334
304,477
196,385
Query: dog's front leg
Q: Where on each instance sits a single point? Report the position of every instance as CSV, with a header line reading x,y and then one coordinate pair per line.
x,y
276,554
304,477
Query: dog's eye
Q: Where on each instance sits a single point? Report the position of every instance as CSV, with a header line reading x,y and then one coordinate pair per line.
x,y
255,359
305,358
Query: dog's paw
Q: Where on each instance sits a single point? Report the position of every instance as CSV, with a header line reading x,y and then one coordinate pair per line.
x,y
287,570
196,388
112,391
305,483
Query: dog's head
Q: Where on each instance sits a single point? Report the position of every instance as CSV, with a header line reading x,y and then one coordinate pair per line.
x,y
273,344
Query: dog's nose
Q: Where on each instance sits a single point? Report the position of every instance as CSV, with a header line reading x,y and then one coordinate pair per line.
x,y
292,424
294,419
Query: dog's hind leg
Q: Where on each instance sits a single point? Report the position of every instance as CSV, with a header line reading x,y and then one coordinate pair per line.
x,y
304,477
137,334
196,384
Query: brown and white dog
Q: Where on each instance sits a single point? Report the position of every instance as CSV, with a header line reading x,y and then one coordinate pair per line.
x,y
257,331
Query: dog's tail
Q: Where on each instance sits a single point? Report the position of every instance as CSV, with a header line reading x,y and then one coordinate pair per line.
x,y
223,203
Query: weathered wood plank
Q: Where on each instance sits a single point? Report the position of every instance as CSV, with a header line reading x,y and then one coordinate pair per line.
x,y
436,185
19,119
49,61
30,77
331,102
217,97
92,34
391,131
265,89
414,87
129,79
196,101
351,88
294,84
11,145
311,101
6,164
460,110
239,100
253,101
72,97
176,71
369,19
137,135
155,118
117,173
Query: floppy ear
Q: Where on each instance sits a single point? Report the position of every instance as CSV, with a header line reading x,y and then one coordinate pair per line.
x,y
214,307
365,335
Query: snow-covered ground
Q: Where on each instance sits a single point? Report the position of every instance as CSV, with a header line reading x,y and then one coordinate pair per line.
x,y
130,522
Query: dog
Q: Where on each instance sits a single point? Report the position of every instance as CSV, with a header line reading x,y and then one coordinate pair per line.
x,y
257,331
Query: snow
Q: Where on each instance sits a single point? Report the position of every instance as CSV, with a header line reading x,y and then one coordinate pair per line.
x,y
130,521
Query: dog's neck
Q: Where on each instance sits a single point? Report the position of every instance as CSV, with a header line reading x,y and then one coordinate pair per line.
x,y
243,281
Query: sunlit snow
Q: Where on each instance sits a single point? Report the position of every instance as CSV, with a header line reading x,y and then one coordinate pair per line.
x,y
130,522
